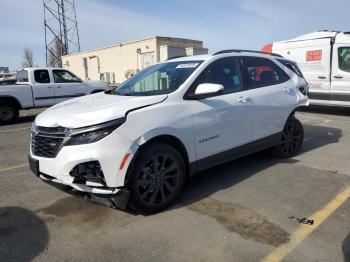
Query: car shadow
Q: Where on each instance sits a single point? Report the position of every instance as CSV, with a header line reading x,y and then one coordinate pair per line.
x,y
25,119
22,120
27,116
23,235
207,183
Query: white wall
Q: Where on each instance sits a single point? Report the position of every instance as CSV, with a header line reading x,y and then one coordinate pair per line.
x,y
128,58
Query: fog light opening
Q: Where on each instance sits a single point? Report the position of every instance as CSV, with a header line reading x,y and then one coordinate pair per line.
x,y
88,172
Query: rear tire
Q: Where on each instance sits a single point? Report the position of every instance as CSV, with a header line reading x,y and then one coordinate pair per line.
x,y
291,140
9,112
156,179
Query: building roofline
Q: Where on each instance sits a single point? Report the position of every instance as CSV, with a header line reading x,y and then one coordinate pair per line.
x,y
134,41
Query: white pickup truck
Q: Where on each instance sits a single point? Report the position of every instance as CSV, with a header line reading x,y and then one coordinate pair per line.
x,y
42,87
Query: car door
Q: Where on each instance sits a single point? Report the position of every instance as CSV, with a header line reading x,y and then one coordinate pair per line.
x,y
221,122
43,88
340,85
67,85
271,93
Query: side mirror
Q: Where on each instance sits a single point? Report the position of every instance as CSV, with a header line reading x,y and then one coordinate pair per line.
x,y
207,90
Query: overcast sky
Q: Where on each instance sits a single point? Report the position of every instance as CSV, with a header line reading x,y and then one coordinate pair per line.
x,y
220,24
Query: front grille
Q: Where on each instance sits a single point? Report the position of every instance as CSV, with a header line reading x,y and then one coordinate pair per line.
x,y
47,141
46,146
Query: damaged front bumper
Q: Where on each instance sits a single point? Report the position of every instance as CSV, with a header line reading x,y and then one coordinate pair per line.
x,y
111,197
118,199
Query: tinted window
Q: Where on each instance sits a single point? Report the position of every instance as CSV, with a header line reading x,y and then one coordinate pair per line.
x,y
22,76
263,72
41,76
63,76
226,72
292,66
344,58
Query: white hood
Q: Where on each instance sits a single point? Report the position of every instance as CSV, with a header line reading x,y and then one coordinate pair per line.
x,y
93,109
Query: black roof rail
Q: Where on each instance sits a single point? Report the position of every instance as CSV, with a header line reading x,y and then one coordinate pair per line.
x,y
246,51
178,56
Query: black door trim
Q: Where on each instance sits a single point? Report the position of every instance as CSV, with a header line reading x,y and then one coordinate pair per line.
x,y
319,96
341,97
345,97
55,97
235,153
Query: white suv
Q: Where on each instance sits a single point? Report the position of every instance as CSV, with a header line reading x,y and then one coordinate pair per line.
x,y
137,144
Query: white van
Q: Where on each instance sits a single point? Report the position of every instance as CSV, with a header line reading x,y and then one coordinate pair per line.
x,y
324,59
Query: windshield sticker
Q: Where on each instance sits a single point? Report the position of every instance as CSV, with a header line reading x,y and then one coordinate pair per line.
x,y
187,65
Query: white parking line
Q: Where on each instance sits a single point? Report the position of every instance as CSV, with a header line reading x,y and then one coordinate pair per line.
x,y
16,129
13,167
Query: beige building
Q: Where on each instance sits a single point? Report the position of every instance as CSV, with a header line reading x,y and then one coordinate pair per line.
x,y
116,63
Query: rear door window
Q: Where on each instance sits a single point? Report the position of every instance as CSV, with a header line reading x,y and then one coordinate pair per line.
x,y
42,76
344,58
22,76
262,72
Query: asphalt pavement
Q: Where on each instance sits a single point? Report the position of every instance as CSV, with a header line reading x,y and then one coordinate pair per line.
x,y
250,209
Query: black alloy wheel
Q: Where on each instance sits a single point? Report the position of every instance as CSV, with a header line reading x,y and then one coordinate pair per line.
x,y
291,140
157,178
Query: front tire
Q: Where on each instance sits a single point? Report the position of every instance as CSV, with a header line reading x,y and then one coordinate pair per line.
x,y
291,140
9,112
156,178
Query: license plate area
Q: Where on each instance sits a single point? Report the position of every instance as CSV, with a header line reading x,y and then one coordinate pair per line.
x,y
34,166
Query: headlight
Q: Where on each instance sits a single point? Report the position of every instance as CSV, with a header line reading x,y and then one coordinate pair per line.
x,y
94,133
34,128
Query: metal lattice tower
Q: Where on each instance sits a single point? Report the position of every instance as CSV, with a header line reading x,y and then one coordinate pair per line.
x,y
61,30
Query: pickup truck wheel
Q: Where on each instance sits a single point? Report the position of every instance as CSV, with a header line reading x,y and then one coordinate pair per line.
x,y
291,140
8,112
156,178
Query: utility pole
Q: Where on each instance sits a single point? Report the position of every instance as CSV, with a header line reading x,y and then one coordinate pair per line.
x,y
61,30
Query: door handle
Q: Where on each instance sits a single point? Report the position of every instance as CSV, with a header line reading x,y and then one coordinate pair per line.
x,y
322,77
49,87
243,99
338,77
286,89
58,86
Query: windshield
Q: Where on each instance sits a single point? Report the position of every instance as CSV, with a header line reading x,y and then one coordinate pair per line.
x,y
158,79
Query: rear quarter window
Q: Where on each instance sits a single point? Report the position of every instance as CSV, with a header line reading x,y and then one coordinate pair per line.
x,y
292,66
22,76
